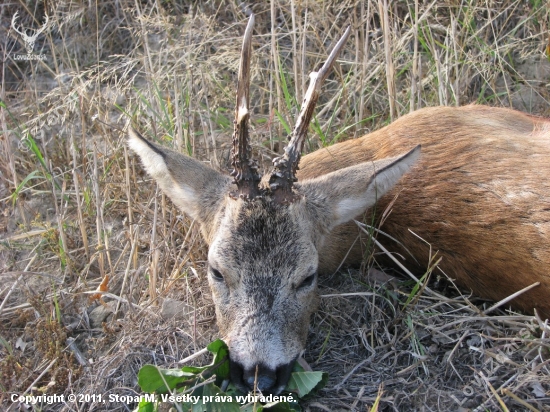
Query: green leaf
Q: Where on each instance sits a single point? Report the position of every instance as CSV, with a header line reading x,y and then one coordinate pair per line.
x,y
154,379
151,378
194,369
216,346
145,406
221,402
6,345
285,125
31,144
33,175
250,408
233,390
303,383
281,407
221,352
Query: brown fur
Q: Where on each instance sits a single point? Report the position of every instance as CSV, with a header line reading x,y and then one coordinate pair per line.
x,y
263,254
480,195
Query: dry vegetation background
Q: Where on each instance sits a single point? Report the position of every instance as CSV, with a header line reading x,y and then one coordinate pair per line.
x,y
78,214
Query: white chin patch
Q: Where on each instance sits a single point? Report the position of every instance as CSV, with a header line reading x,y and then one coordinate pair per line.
x,y
270,354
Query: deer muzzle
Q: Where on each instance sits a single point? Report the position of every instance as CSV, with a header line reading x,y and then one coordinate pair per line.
x,y
264,379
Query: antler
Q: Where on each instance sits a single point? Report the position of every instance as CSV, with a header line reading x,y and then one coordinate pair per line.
x,y
14,18
44,26
245,169
36,33
284,168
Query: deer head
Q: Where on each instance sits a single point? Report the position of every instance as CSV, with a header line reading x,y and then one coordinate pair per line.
x,y
29,40
264,234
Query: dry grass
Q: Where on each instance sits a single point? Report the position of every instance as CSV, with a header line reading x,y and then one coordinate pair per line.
x,y
78,212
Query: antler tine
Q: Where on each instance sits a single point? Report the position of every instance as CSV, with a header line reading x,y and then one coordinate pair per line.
x,y
44,26
284,170
245,169
13,20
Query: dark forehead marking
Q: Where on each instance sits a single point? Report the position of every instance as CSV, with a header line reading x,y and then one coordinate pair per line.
x,y
267,232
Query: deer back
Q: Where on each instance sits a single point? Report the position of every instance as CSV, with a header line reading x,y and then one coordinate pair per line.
x,y
480,196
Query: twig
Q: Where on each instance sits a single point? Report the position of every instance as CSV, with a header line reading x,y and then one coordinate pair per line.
x,y
193,356
509,298
77,353
17,281
509,393
40,376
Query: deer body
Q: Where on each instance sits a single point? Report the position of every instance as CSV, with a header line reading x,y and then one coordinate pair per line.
x,y
479,195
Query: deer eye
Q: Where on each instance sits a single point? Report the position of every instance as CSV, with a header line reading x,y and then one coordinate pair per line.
x,y
216,275
307,282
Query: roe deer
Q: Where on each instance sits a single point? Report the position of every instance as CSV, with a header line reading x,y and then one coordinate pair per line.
x,y
478,195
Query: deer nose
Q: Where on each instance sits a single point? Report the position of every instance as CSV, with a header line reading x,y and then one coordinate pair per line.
x,y
261,377
264,380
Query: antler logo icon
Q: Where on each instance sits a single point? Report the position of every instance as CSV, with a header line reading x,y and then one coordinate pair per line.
x,y
29,40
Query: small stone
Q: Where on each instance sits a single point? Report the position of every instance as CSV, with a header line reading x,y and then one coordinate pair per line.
x,y
100,314
172,308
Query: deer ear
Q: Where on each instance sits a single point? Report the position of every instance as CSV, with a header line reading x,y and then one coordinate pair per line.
x,y
195,188
345,194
